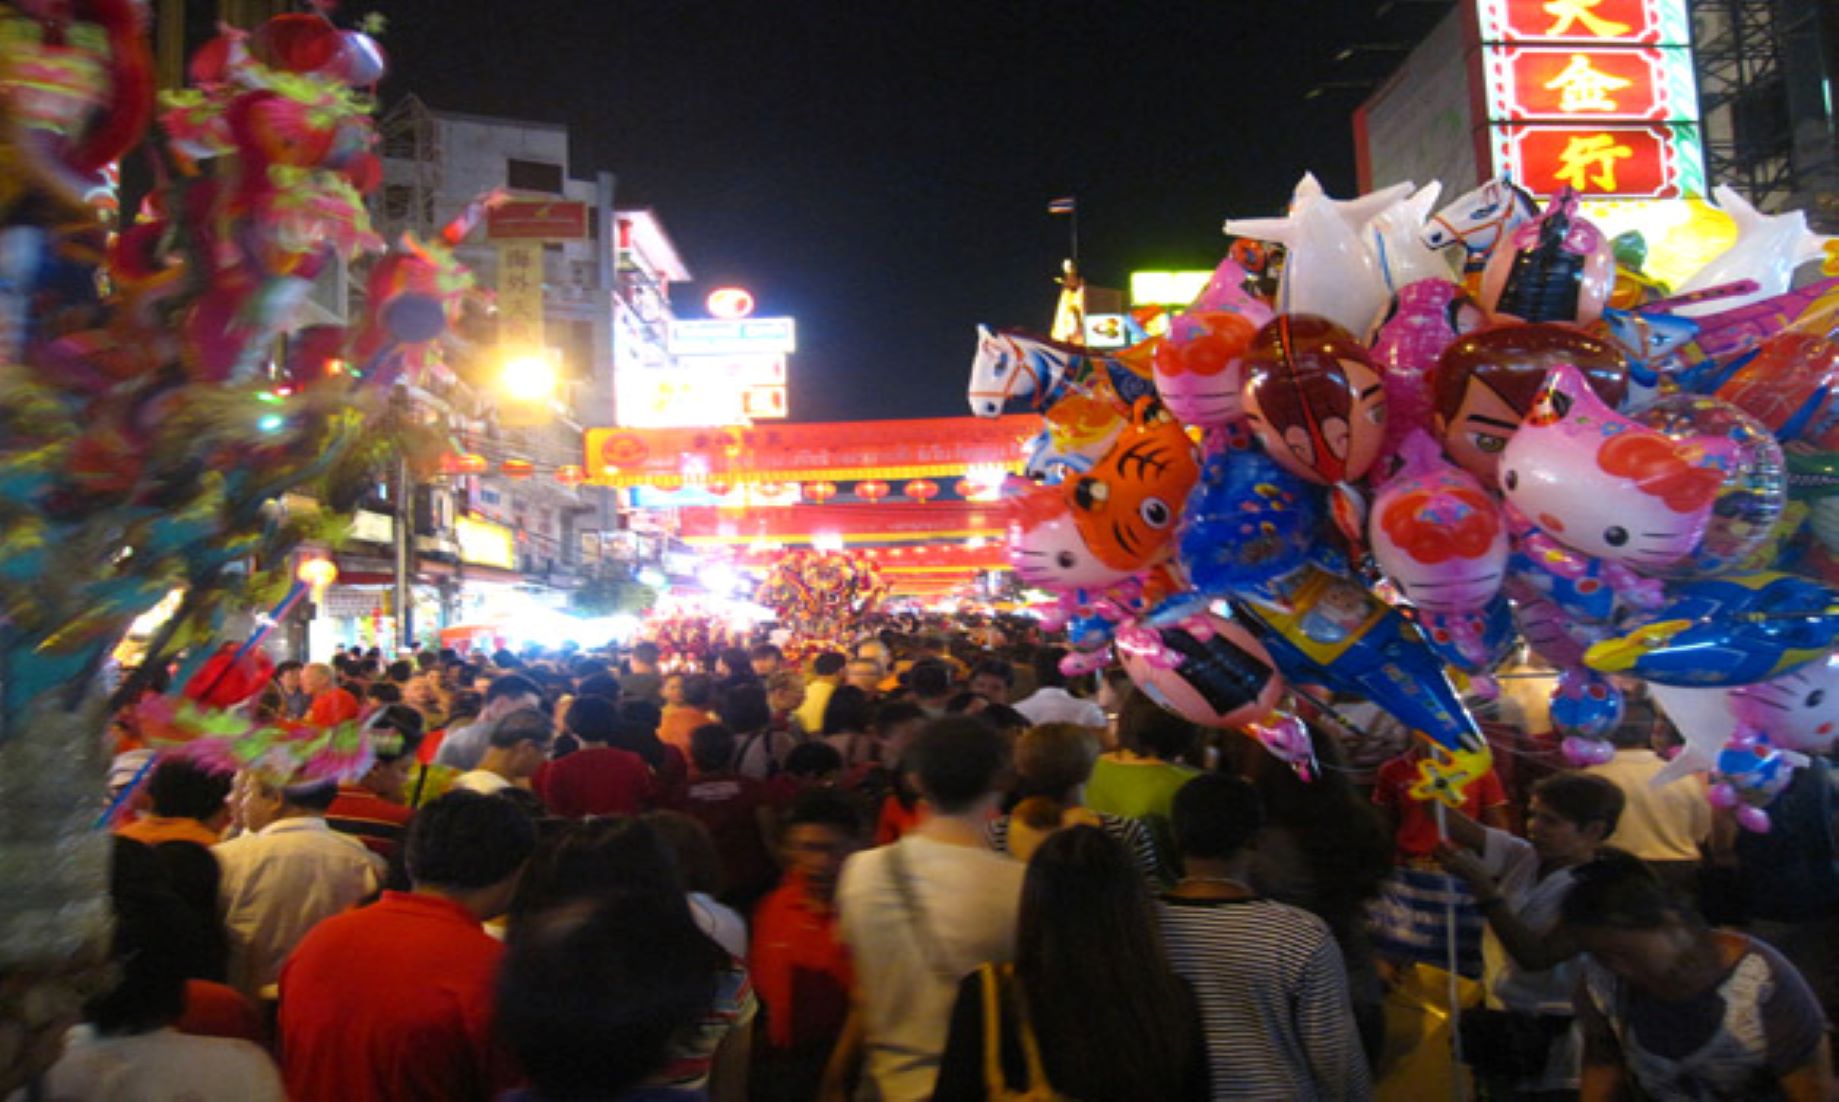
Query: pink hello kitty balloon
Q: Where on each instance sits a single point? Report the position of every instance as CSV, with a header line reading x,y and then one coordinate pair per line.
x,y
1798,711
1428,317
1046,549
1598,483
1436,533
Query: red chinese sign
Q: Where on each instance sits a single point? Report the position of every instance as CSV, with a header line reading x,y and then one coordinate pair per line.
x,y
1542,82
1626,22
1599,162
537,220
940,447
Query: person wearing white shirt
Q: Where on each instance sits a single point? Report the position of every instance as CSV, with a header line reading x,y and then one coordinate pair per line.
x,y
922,913
1051,702
1665,826
1530,961
283,874
518,747
464,748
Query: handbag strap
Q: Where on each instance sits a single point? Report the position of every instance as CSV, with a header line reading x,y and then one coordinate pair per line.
x,y
916,914
996,978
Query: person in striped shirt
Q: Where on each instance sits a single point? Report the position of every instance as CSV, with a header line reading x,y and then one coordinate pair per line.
x,y
1269,977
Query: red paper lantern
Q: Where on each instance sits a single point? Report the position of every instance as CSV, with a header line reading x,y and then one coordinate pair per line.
x,y
921,489
517,468
819,492
463,463
719,489
570,475
872,491
968,488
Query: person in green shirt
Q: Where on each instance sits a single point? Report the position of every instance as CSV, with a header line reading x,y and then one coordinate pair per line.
x,y
1140,778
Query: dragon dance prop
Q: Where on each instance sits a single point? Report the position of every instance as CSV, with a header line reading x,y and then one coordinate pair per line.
x,y
149,421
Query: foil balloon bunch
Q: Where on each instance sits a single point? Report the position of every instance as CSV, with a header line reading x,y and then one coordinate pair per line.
x,y
821,593
1449,435
148,427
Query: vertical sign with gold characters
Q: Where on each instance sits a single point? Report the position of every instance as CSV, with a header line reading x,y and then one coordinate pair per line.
x,y
520,294
1595,95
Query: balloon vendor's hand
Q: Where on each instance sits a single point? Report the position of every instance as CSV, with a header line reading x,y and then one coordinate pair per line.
x,y
1463,864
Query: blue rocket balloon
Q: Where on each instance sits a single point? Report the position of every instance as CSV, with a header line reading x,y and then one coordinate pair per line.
x,y
1325,629
1728,630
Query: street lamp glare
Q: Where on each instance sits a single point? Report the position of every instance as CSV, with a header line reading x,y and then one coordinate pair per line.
x,y
529,377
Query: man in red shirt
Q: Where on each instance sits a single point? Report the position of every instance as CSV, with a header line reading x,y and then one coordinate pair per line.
x,y
800,967
374,809
1414,825
597,779
331,705
394,1002
737,811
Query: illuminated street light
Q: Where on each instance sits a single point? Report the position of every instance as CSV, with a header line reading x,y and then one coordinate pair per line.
x,y
529,377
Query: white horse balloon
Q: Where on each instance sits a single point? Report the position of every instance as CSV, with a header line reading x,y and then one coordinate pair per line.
x,y
1328,268
1768,250
1395,236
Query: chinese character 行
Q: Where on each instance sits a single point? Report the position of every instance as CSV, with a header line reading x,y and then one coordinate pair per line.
x,y
1584,153
1583,88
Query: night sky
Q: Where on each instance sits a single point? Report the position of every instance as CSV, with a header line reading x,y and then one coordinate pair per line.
x,y
881,168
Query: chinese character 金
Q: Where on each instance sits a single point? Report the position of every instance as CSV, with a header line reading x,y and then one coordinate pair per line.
x,y
1583,88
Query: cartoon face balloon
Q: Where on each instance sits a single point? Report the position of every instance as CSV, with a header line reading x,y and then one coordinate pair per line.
x,y
1126,506
1437,534
1601,484
1485,382
1797,712
1314,398
1197,369
1046,548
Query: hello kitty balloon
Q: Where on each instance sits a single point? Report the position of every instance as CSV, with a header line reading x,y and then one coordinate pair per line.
x,y
1601,484
1798,711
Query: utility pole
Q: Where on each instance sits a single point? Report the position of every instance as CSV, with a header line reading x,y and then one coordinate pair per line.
x,y
403,493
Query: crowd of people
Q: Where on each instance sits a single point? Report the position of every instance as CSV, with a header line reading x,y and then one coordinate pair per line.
x,y
914,867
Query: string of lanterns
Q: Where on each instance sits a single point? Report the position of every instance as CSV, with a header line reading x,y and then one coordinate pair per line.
x,y
572,474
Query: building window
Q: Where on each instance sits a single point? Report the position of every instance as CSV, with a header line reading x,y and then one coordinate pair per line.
x,y
533,176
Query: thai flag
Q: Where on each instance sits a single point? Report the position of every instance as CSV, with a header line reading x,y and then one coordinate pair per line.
x,y
1062,206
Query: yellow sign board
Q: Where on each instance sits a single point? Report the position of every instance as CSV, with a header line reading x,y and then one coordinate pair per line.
x,y
483,543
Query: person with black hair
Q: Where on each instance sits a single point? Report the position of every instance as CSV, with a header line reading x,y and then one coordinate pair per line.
x,y
1530,966
1051,702
800,965
186,803
848,724
765,659
598,779
921,913
826,675
687,700
401,671
1675,1009
597,996
374,808
812,765
1269,978
394,1001
592,860
1140,778
285,873
601,684
517,747
700,867
129,1050
992,679
736,809
283,698
929,680
463,747
760,749
642,679
1091,990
